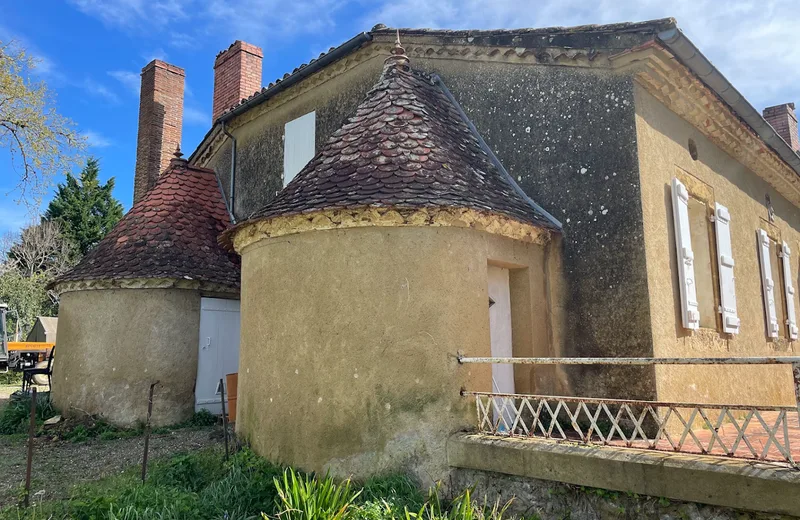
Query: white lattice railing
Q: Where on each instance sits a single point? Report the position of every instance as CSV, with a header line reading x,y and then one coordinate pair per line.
x,y
766,433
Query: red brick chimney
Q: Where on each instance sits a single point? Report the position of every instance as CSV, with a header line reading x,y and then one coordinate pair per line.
x,y
160,120
784,121
237,75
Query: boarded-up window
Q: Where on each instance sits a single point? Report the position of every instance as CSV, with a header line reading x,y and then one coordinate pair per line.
x,y
299,145
704,259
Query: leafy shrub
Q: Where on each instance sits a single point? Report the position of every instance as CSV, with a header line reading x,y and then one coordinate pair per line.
x,y
303,497
15,417
191,472
397,491
202,419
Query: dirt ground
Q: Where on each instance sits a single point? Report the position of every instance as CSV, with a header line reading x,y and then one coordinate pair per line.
x,y
60,465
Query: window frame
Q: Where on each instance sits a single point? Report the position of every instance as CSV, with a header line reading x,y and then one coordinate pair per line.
x,y
704,193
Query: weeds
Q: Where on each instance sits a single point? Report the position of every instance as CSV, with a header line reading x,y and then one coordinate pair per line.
x,y
308,498
200,486
15,417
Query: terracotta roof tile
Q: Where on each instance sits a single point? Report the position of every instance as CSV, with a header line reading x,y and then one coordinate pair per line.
x,y
406,146
170,233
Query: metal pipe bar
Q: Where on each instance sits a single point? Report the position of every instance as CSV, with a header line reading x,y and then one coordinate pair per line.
x,y
785,360
602,400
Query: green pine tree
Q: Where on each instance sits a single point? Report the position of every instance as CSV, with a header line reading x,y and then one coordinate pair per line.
x,y
85,209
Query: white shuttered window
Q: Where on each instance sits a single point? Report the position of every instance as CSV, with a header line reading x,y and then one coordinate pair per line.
x,y
791,320
767,284
683,243
299,145
727,287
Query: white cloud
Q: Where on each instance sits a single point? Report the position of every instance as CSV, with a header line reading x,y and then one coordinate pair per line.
x,y
155,54
131,13
196,116
182,40
752,42
45,67
130,80
96,140
256,21
99,90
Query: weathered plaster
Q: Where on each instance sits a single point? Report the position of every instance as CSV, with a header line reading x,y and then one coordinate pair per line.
x,y
685,95
143,283
565,133
388,217
113,343
663,153
568,136
350,363
259,132
505,467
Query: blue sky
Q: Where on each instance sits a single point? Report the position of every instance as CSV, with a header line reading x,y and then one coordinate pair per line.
x,y
91,51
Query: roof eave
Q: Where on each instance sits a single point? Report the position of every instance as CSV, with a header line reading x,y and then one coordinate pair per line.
x,y
683,49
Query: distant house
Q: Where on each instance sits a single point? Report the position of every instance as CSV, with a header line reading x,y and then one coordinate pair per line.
x,y
44,329
587,191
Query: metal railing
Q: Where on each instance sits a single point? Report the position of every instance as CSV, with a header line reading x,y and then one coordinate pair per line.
x,y
764,433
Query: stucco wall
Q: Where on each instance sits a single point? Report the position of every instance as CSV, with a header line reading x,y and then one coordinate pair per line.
x,y
663,151
567,134
349,343
112,344
259,168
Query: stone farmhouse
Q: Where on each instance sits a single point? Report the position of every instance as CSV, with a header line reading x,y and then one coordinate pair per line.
x,y
341,236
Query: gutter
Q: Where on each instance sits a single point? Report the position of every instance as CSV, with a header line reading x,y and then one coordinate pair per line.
x,y
492,157
690,56
302,73
232,191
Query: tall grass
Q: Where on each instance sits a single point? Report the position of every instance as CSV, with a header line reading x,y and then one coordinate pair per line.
x,y
303,497
15,417
200,486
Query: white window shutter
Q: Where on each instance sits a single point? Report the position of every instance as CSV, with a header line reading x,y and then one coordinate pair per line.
x,y
683,243
767,284
727,287
791,320
299,145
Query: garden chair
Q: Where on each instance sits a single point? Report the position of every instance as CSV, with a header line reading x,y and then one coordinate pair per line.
x,y
29,373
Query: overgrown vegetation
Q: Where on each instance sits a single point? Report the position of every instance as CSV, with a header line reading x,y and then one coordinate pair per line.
x,y
199,485
15,419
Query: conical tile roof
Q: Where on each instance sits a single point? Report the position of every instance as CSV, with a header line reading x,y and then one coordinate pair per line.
x,y
407,146
170,233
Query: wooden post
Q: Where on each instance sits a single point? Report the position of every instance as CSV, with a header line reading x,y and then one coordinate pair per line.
x,y
147,431
224,418
31,435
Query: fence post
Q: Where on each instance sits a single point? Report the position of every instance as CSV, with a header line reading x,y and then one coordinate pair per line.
x,y
147,431
224,417
31,435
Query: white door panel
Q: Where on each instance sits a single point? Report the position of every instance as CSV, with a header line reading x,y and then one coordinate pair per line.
x,y
500,332
218,352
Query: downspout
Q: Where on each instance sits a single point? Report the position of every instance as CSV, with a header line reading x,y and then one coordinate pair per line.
x,y
231,192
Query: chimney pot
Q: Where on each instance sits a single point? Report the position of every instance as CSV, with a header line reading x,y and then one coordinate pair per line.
x,y
237,73
160,121
784,120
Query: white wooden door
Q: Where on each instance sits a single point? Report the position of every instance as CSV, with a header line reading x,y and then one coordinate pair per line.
x,y
218,352
500,332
